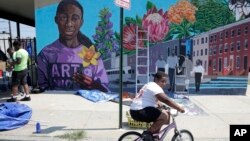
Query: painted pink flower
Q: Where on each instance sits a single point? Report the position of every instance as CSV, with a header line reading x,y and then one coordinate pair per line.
x,y
129,37
157,22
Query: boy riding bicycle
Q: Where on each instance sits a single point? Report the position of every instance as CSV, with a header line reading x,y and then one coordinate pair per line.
x,y
146,102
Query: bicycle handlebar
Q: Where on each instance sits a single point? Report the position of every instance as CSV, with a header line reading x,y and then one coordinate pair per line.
x,y
172,111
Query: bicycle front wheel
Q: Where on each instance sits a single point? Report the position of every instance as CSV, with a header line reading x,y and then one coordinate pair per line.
x,y
130,136
184,135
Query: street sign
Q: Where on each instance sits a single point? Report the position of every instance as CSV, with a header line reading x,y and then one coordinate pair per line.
x,y
123,3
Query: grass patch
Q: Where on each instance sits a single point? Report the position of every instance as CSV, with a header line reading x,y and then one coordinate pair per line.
x,y
73,136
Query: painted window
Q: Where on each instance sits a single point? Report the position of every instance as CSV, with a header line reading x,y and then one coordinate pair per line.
x,y
226,47
238,45
232,47
246,44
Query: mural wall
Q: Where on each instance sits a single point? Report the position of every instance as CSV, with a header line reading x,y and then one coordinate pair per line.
x,y
78,43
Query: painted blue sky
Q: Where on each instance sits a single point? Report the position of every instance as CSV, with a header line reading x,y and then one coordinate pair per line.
x,y
46,28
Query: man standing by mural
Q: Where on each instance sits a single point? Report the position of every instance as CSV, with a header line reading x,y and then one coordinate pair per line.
x,y
160,64
198,72
172,64
19,75
71,62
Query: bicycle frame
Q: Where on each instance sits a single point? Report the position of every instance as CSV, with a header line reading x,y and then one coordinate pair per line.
x,y
163,133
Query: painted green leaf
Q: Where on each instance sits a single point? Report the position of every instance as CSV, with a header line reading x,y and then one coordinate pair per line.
x,y
129,20
150,5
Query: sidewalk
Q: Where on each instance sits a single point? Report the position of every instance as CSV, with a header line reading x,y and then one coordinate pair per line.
x,y
61,113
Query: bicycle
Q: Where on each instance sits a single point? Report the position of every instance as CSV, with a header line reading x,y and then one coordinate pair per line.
x,y
179,135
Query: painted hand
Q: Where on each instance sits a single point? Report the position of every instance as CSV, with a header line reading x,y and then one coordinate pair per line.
x,y
83,80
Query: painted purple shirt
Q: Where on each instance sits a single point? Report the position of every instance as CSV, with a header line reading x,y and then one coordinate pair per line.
x,y
57,63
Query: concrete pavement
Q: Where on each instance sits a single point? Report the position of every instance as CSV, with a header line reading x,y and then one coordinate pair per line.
x,y
63,113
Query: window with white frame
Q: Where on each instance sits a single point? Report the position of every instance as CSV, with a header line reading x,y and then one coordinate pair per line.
x,y
210,51
232,47
238,32
220,48
221,35
226,47
246,44
232,33
246,30
211,39
238,45
214,50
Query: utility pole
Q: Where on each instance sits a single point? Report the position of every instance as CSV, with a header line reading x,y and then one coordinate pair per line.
x,y
10,41
10,29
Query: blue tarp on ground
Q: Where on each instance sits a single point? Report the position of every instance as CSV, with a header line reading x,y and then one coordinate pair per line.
x,y
14,115
96,95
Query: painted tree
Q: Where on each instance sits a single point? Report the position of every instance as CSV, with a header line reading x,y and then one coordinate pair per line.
x,y
212,14
104,38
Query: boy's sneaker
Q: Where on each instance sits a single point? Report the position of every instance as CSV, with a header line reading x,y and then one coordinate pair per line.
x,y
147,136
12,99
26,98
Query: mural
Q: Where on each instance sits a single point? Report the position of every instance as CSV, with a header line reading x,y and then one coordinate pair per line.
x,y
78,42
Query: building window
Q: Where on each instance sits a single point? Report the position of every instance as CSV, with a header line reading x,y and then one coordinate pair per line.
x,y
238,45
220,48
206,51
206,40
210,51
232,33
226,47
194,54
237,62
226,34
232,47
197,41
238,33
197,53
215,38
201,52
214,50
246,44
211,39
221,35
246,30
202,40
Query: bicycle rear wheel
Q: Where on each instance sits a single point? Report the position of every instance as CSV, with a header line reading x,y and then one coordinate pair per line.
x,y
130,136
184,135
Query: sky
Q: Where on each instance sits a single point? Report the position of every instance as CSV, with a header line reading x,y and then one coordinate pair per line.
x,y
25,31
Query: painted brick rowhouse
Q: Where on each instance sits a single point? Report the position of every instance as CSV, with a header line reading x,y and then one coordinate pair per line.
x,y
229,49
